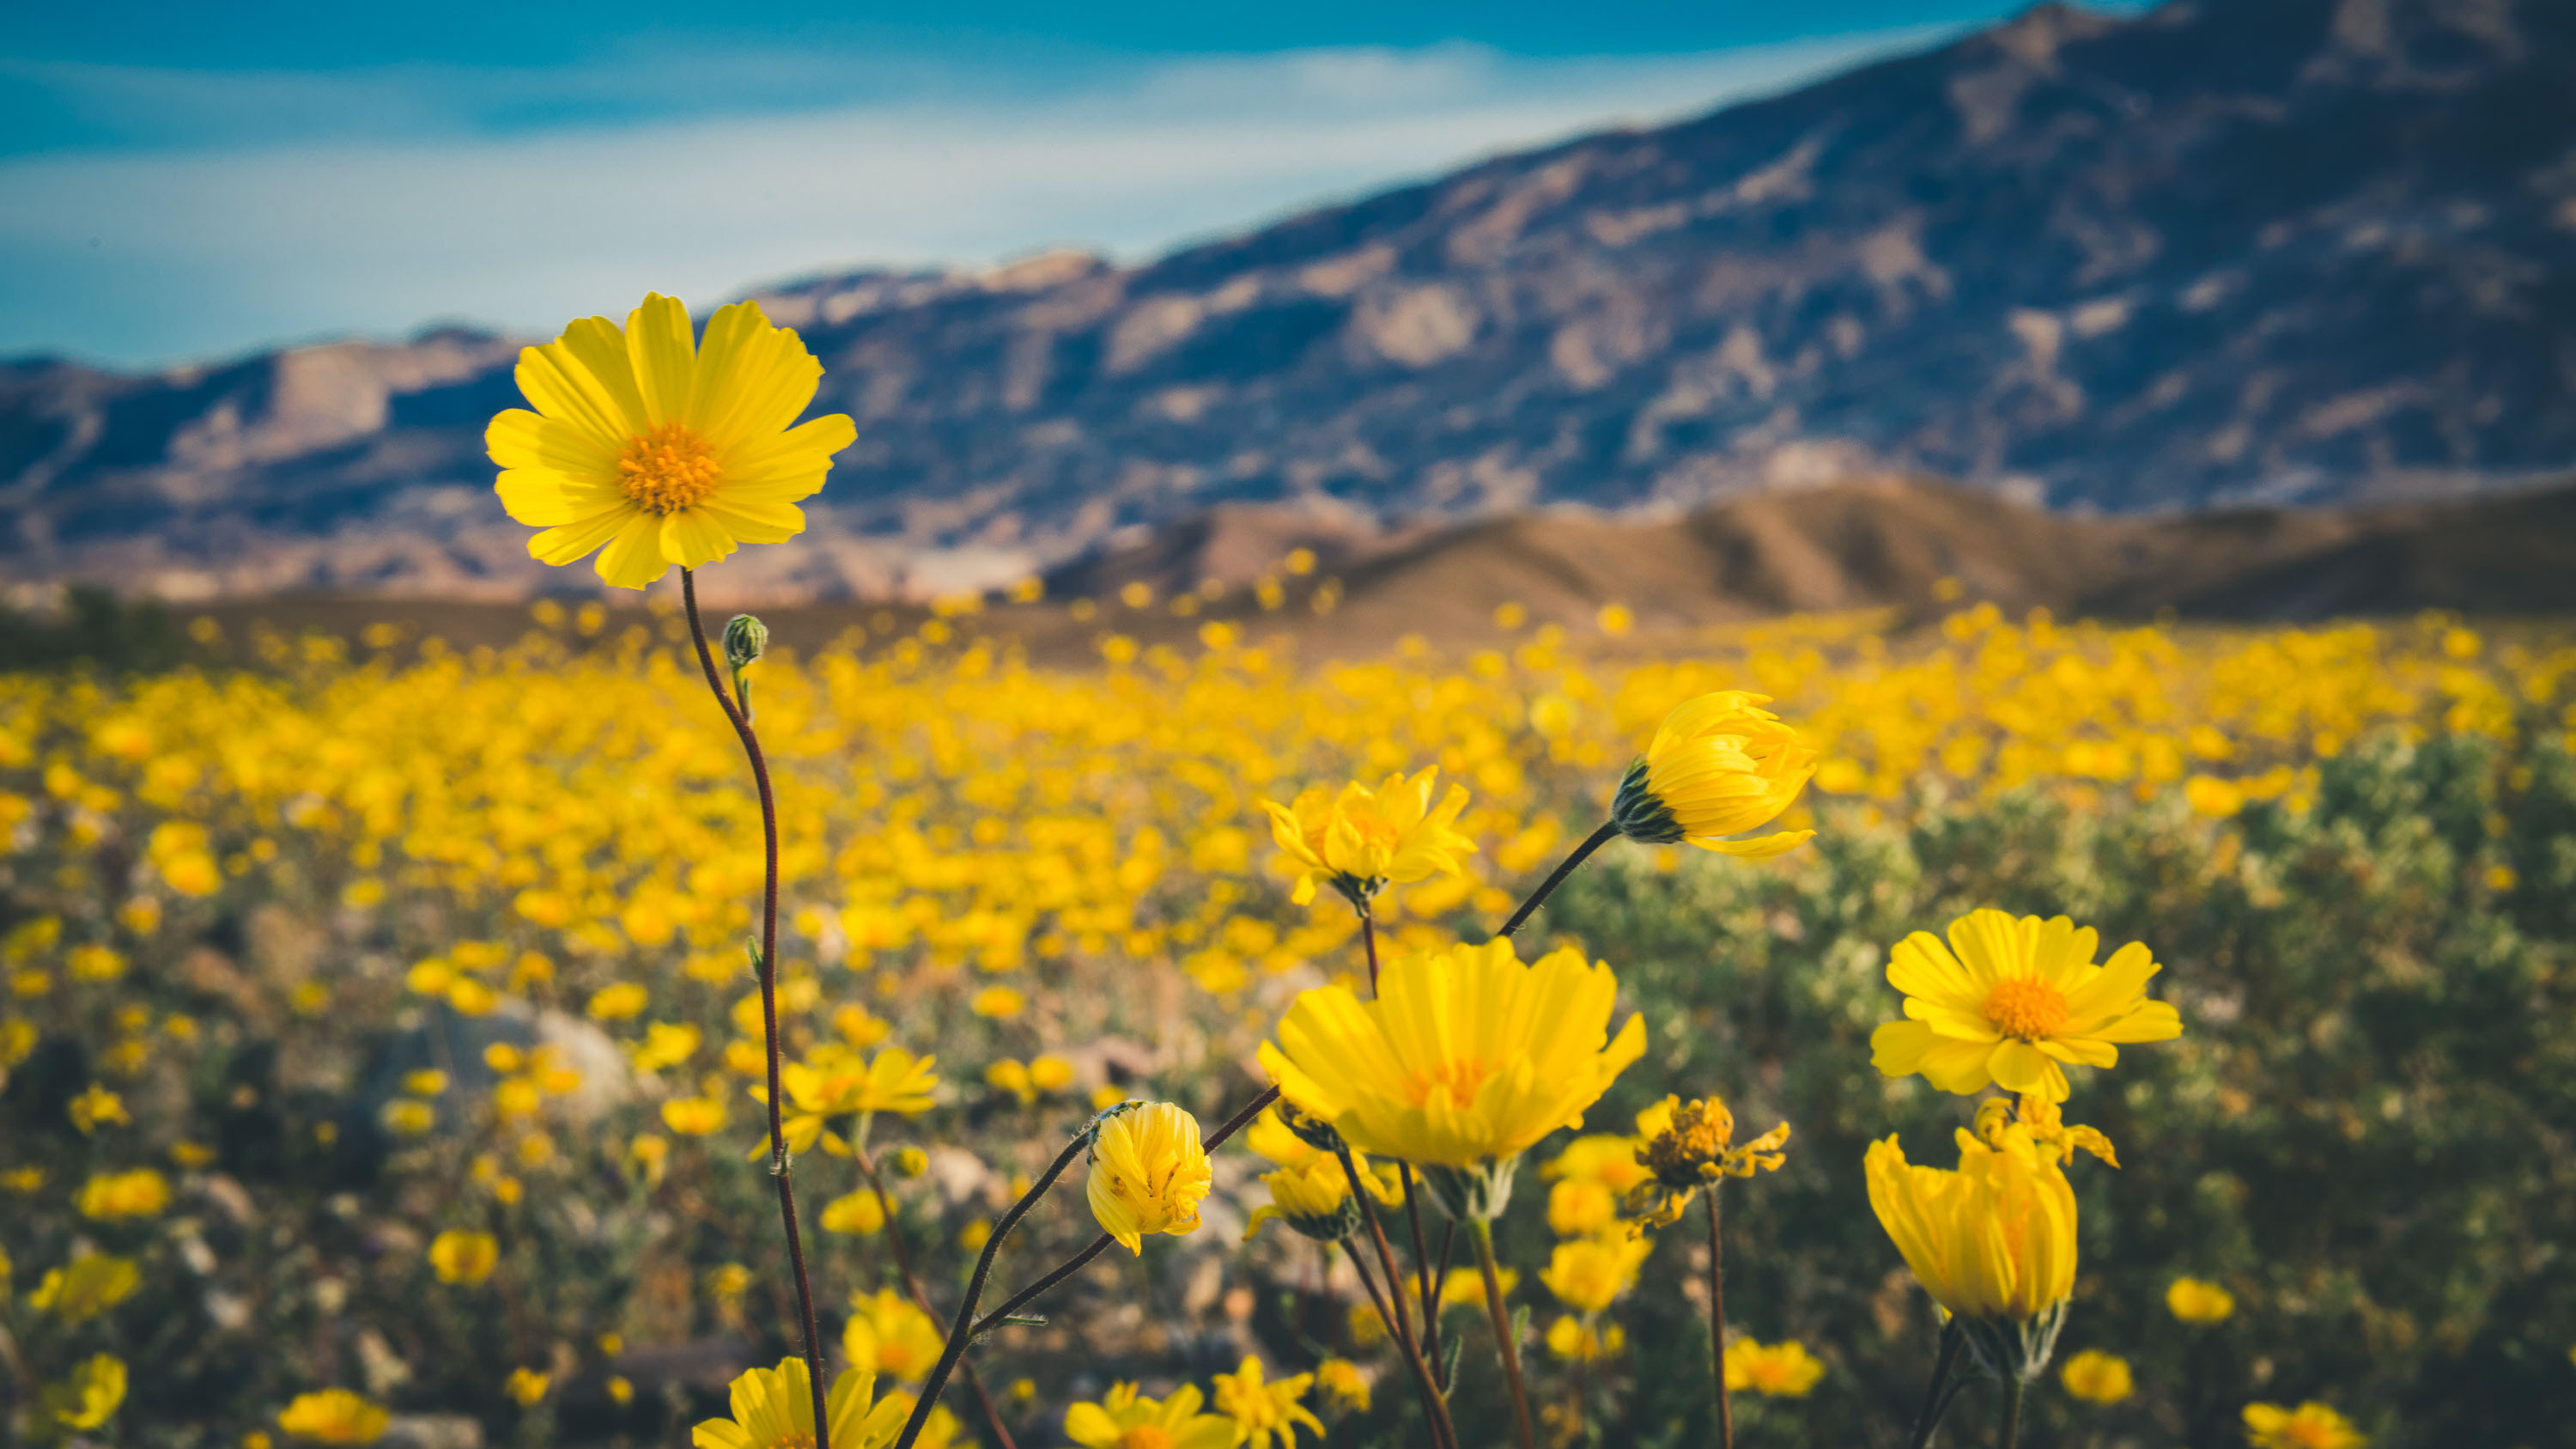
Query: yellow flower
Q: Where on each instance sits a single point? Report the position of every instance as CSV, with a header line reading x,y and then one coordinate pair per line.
x,y
2195,1301
334,1416
405,1117
1590,1273
1718,765
1362,840
2046,1124
1467,1290
854,1212
526,1386
618,1002
426,1083
1012,1075
999,1002
461,1255
1695,1147
1262,1410
2097,1377
664,451
88,1286
1148,1173
2309,1426
1777,1371
1577,1340
1340,1379
694,1116
96,1106
1463,1061
136,1194
2019,997
1125,1419
651,1155
1050,1074
889,1334
774,1409
666,1045
1993,1241
832,1082
90,1396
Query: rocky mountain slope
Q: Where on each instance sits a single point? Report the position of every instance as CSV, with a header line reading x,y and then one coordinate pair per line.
x,y
2228,251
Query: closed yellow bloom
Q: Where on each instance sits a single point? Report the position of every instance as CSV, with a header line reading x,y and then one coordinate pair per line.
x,y
889,1334
774,1409
694,1116
462,1255
1126,1419
136,1194
1717,766
90,1396
1362,840
1463,1061
2309,1426
2097,1377
2018,997
335,1416
86,1287
1148,1173
1993,1241
856,1213
618,1002
1777,1371
526,1386
664,449
1263,1410
1590,1273
2195,1301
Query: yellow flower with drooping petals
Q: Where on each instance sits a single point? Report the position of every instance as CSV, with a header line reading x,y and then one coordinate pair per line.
x,y
86,1287
2194,1301
1693,1147
463,1255
1263,1410
2018,997
1775,1371
2309,1426
1309,1191
90,1396
1361,841
663,448
889,1334
2097,1377
335,1416
1125,1419
1148,1173
136,1194
1465,1059
1992,1241
1590,1273
1719,765
774,1409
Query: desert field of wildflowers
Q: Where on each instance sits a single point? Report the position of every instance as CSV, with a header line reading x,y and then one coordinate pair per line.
x,y
412,1044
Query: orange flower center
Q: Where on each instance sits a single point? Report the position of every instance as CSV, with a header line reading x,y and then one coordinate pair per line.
x,y
2026,1007
1146,1436
667,469
1457,1082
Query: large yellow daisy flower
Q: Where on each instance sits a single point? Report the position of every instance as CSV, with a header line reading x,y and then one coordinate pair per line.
x,y
663,450
2018,997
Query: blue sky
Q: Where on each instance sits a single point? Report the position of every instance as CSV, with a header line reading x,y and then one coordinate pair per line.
x,y
181,181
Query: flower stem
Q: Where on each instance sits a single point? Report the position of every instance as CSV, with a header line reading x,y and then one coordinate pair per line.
x,y
912,1285
1100,1244
1953,1338
2010,1434
1608,832
1435,1409
1484,1234
779,1161
1432,1401
1421,1263
963,1330
1717,1320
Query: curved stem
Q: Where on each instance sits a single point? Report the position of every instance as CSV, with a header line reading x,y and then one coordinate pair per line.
x,y
2010,1434
963,1329
779,1162
1432,1402
1608,832
1953,1338
1484,1235
912,1285
1435,1409
1717,1321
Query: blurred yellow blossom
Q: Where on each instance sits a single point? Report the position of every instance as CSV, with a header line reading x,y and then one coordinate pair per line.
x,y
1778,1370
463,1255
335,1416
2097,1377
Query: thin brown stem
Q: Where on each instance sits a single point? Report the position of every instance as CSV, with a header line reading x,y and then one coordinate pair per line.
x,y
1368,944
912,1284
1421,1262
779,1161
1440,1288
1484,1235
1953,1338
1608,832
1435,1408
1717,1322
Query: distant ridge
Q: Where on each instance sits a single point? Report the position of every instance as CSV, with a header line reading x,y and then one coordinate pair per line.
x,y
2226,253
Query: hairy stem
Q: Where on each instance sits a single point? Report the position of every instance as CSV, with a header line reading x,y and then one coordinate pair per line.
x,y
779,1162
2010,1433
1597,839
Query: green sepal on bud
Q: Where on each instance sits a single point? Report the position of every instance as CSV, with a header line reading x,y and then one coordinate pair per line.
x,y
1639,814
745,640
2010,1349
1471,1194
910,1162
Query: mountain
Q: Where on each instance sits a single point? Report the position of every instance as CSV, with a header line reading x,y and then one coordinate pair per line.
x,y
2225,252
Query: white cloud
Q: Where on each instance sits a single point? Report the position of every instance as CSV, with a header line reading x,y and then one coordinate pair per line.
x,y
162,253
